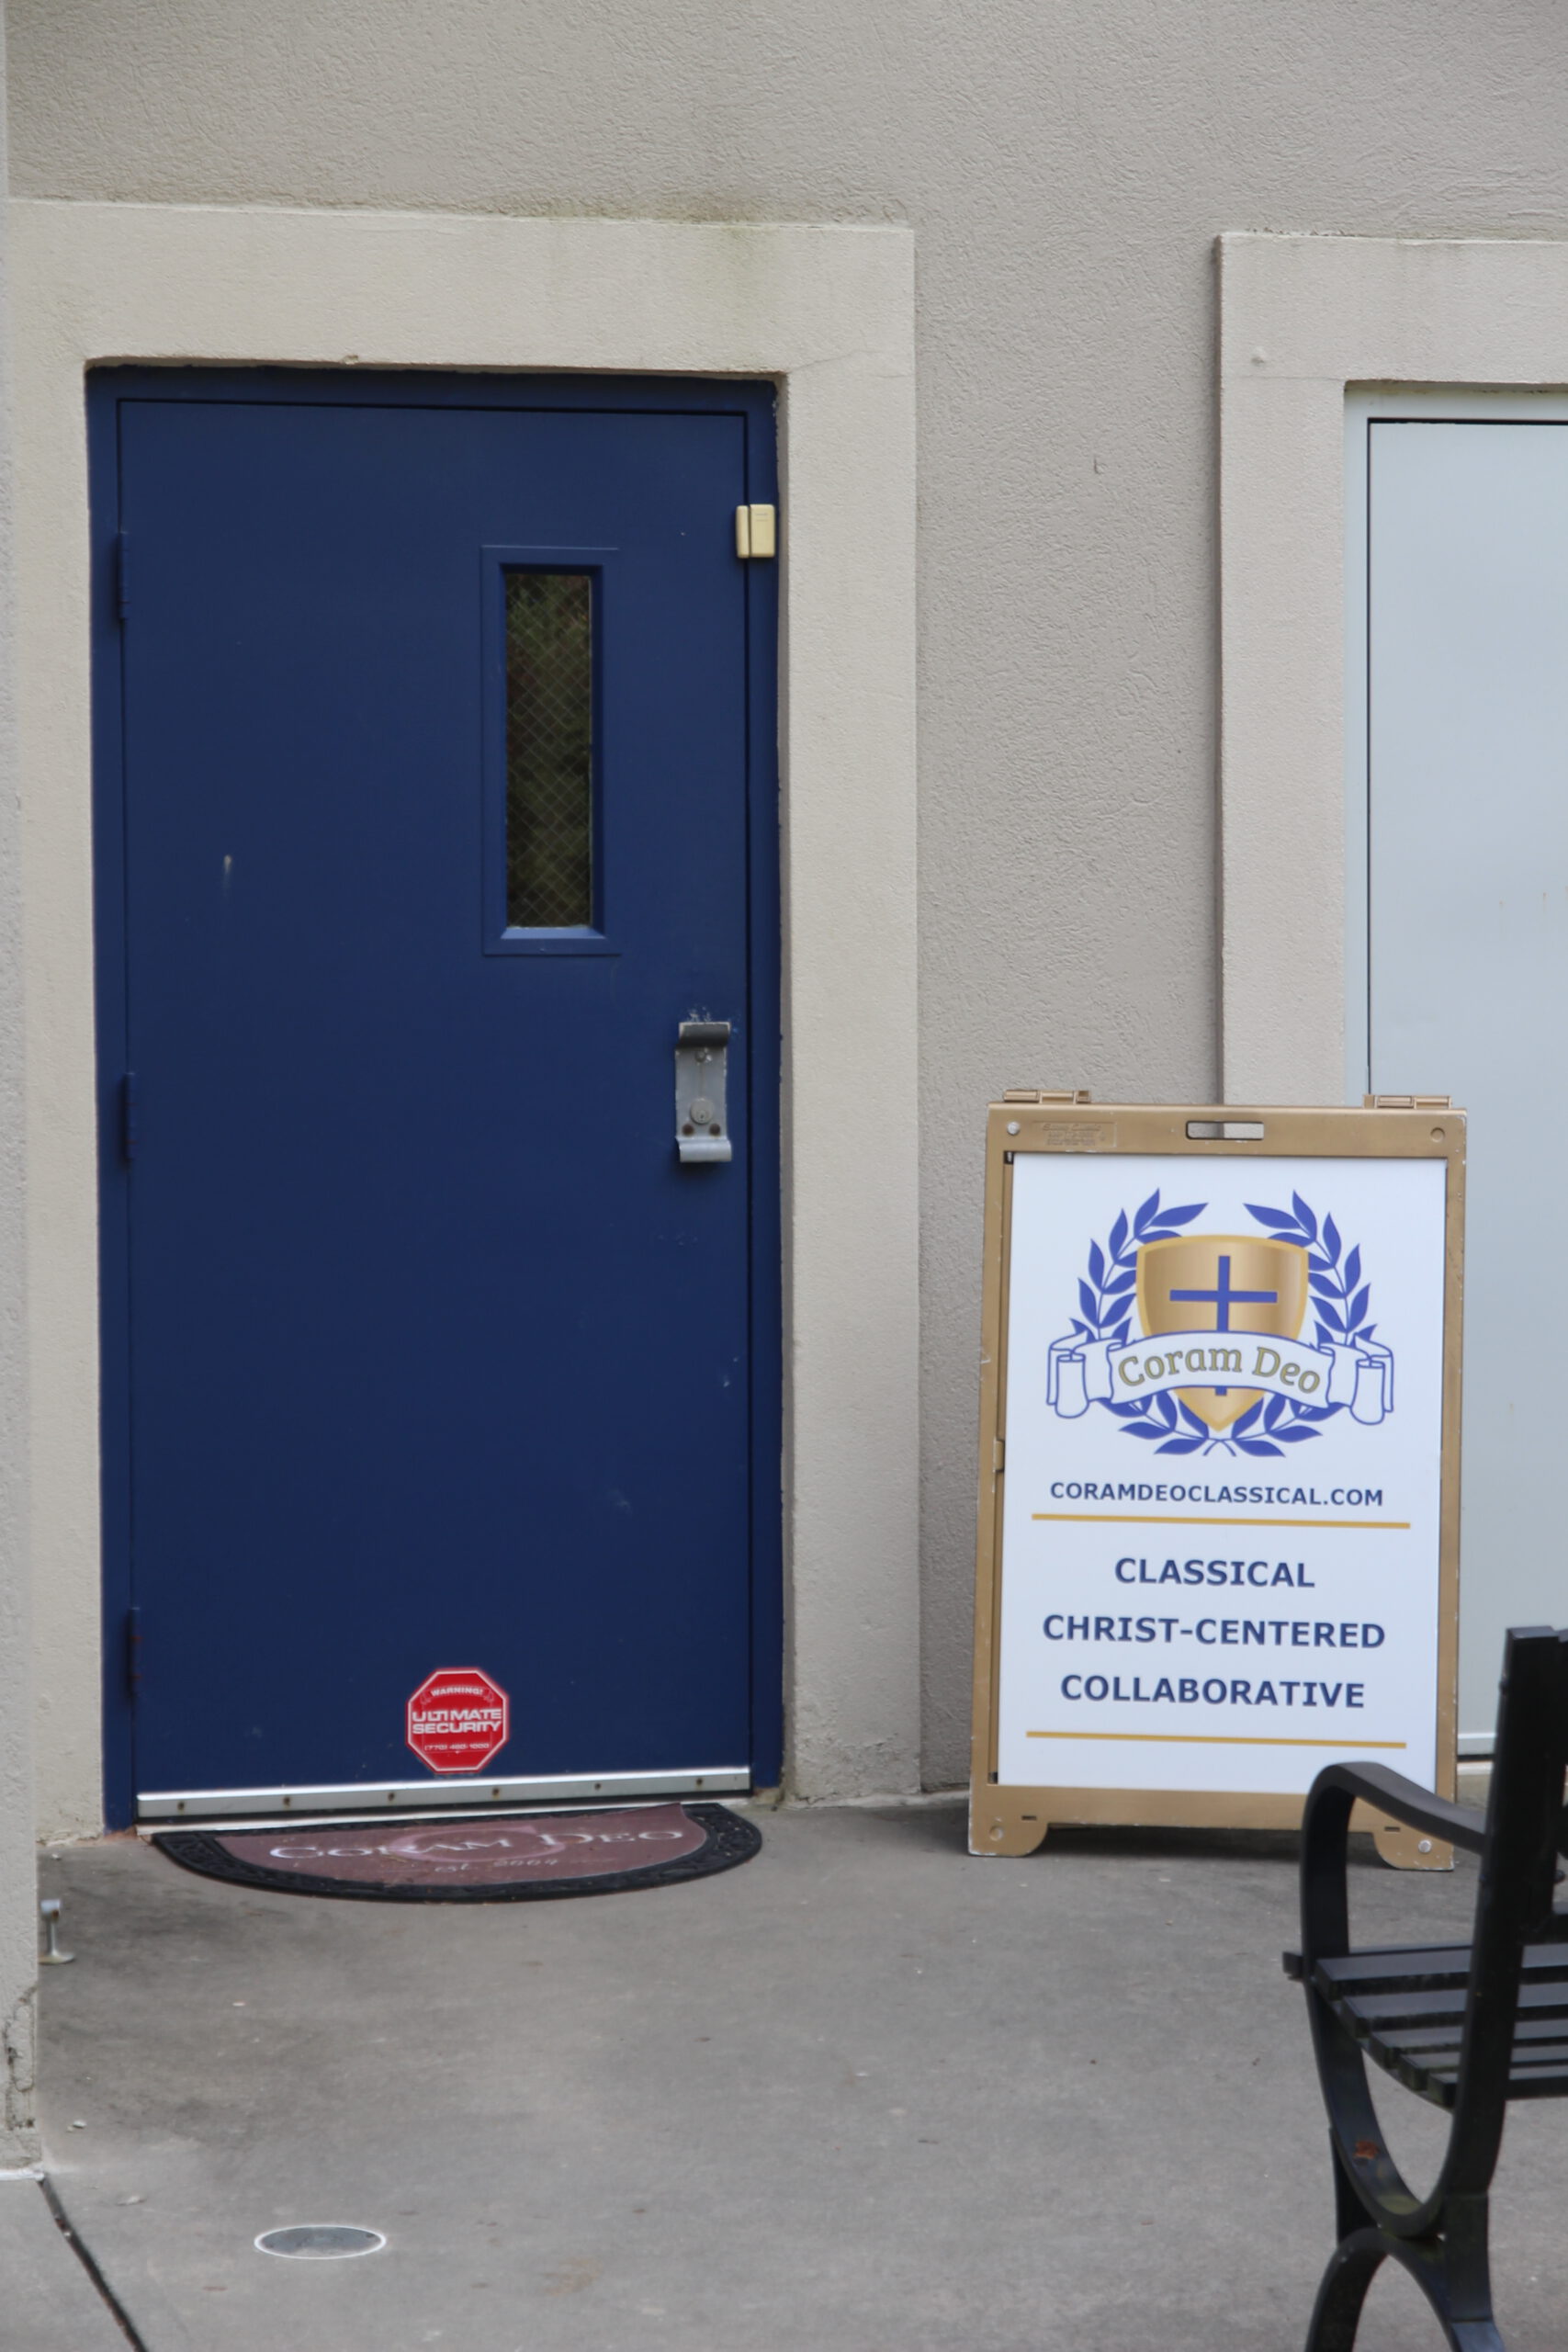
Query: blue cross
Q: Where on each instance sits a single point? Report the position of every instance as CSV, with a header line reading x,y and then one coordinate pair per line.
x,y
1222,1298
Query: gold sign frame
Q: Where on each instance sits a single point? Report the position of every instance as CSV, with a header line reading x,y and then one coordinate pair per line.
x,y
1009,1819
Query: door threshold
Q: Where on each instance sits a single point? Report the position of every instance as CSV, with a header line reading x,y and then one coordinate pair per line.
x,y
374,1800
452,1818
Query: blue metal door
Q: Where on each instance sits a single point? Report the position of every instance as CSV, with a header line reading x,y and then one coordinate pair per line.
x,y
435,793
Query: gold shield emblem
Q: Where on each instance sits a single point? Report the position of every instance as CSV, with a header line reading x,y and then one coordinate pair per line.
x,y
1221,1281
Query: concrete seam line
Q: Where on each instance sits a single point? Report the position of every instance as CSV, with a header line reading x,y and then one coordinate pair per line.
x,y
83,2253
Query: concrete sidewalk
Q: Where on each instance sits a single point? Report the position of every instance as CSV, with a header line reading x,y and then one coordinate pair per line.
x,y
863,2094
48,2300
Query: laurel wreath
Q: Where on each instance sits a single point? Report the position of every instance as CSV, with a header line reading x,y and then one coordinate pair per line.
x,y
1341,1303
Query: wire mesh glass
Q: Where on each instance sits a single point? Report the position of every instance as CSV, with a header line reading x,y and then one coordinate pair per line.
x,y
549,749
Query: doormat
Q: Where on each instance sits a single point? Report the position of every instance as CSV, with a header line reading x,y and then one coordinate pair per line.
x,y
515,1858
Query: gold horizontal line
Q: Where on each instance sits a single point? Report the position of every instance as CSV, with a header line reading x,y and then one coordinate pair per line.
x,y
1158,1519
1213,1739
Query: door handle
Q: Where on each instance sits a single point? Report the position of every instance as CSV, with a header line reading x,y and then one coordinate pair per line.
x,y
701,1057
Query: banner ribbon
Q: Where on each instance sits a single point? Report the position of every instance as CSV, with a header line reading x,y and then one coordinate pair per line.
x,y
1358,1373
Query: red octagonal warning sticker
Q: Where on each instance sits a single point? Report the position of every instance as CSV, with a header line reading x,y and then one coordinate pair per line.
x,y
457,1720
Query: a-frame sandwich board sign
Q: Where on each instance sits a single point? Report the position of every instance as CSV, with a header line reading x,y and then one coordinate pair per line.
x,y
1220,1461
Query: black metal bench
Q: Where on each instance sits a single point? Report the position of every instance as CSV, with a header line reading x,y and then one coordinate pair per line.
x,y
1467,2026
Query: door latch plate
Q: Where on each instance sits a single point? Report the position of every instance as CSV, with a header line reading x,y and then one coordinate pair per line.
x,y
702,1056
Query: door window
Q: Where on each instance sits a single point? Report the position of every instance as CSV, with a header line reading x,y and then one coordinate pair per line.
x,y
549,749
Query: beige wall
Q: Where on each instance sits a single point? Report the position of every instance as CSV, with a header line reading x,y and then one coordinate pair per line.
x,y
1065,165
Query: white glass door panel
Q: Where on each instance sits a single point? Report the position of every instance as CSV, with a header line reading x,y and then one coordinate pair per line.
x,y
1460,810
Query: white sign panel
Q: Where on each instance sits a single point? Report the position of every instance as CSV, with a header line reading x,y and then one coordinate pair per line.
x,y
1224,1425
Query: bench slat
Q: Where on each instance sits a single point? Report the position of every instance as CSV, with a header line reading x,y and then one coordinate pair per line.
x,y
1426,2057
1429,1965
1384,2009
1551,2055
1434,2038
1428,1968
1545,2085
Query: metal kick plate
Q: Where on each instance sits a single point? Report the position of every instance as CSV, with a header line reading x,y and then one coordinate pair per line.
x,y
365,1798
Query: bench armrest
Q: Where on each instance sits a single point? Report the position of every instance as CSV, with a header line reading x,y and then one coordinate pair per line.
x,y
1377,1784
1325,1822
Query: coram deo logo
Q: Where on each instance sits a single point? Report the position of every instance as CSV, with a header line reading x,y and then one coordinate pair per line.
x,y
1222,1364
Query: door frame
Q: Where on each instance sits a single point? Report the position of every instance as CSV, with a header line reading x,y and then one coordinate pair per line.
x,y
112,591
1306,322
1317,334
827,312
1362,410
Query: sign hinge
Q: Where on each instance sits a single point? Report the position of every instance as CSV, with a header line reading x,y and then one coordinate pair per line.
x,y
121,574
756,532
130,1116
1407,1101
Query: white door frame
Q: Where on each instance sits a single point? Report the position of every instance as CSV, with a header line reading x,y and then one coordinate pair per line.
x,y
1317,334
1360,409
1304,321
827,311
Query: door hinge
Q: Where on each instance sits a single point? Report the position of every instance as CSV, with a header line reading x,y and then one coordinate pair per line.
x,y
132,1650
756,532
1066,1096
121,574
1407,1102
999,1455
130,1116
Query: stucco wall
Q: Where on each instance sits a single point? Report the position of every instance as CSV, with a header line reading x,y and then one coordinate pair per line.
x,y
1065,168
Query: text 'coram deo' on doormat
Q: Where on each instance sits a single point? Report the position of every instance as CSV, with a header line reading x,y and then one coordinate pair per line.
x,y
517,1858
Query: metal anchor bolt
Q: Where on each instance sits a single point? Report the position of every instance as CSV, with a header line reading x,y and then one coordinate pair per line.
x,y
51,1956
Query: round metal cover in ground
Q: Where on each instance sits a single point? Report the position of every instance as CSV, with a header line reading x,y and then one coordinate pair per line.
x,y
320,2241
505,1859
